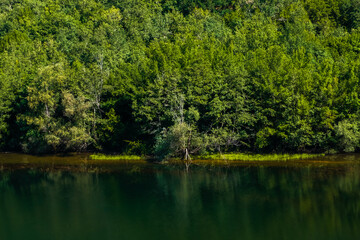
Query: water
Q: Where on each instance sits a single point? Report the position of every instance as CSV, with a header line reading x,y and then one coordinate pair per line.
x,y
50,200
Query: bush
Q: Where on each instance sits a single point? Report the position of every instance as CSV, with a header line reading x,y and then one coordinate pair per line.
x,y
349,136
180,140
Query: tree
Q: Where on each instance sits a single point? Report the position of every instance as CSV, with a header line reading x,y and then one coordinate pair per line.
x,y
348,133
181,139
43,98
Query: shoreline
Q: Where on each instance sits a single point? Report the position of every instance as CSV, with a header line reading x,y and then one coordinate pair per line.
x,y
82,162
234,156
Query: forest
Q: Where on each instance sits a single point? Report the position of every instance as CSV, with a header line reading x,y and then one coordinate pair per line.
x,y
157,77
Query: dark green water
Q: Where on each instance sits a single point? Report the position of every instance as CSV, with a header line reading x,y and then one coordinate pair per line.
x,y
144,201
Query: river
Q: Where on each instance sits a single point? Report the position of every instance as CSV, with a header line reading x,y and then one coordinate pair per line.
x,y
70,197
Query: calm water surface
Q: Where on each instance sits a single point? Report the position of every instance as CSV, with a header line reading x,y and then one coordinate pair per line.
x,y
47,198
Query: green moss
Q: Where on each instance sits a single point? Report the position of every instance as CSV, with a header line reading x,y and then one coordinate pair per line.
x,y
258,157
116,157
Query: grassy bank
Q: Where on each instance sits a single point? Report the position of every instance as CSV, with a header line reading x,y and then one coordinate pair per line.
x,y
116,157
226,157
257,157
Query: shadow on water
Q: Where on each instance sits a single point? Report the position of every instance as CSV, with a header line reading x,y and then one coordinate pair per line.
x,y
142,201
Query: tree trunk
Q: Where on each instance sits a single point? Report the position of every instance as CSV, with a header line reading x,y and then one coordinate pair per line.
x,y
187,159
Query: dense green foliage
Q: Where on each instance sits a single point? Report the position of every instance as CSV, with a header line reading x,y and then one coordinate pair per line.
x,y
167,76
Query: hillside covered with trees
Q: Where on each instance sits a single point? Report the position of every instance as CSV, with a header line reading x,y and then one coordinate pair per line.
x,y
150,77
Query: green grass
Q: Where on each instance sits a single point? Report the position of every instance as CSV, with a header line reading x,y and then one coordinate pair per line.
x,y
226,156
116,157
257,157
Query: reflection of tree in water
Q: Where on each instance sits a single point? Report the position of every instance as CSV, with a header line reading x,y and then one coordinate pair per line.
x,y
28,180
254,202
258,199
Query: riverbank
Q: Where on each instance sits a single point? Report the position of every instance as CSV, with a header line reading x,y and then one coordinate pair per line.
x,y
81,162
211,157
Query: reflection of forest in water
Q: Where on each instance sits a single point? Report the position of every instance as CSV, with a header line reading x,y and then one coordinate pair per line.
x,y
252,203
